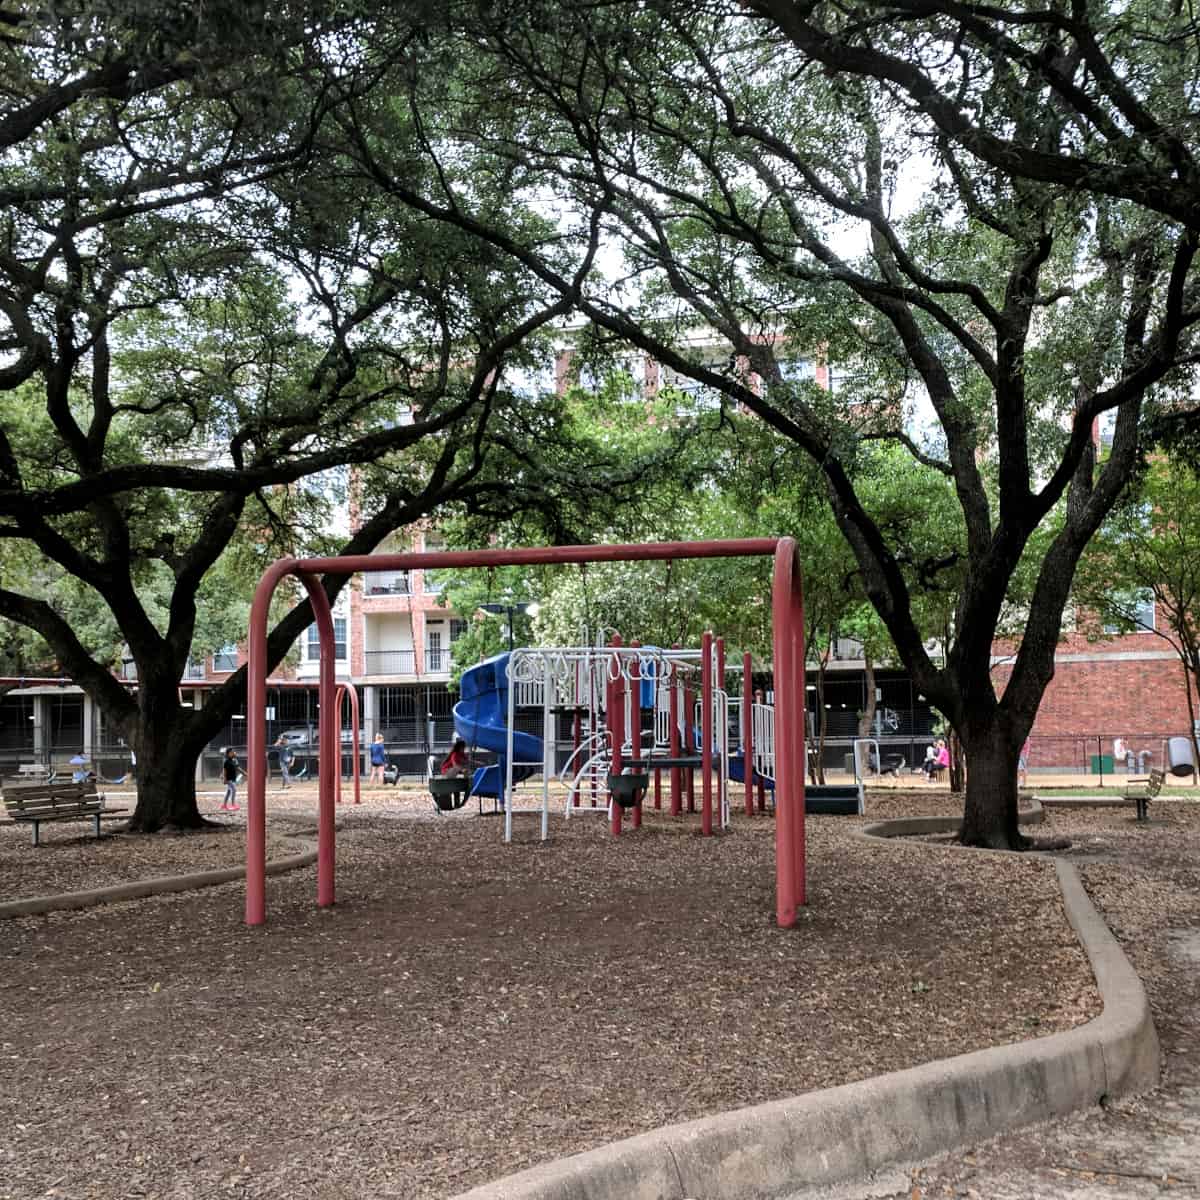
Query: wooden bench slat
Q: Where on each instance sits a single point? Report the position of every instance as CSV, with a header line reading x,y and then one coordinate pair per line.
x,y
38,803
50,809
1142,791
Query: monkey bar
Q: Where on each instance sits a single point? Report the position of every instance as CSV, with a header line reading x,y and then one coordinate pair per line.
x,y
787,608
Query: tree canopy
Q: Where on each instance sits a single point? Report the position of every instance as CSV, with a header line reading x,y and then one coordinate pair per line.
x,y
212,335
986,222
770,183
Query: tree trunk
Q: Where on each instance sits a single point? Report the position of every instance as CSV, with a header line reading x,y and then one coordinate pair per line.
x,y
817,767
866,719
166,769
166,792
990,811
958,772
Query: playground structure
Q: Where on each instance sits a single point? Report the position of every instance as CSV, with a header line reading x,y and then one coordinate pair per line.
x,y
788,661
635,713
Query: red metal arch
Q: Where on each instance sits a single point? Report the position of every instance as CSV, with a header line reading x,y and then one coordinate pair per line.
x,y
787,608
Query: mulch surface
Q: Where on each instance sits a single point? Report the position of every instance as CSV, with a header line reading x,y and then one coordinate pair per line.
x,y
469,1008
1145,879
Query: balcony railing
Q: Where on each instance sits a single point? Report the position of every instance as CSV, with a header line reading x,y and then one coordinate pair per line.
x,y
847,649
403,662
389,662
387,583
193,670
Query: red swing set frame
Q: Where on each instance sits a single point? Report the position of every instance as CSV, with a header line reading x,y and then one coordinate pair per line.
x,y
787,609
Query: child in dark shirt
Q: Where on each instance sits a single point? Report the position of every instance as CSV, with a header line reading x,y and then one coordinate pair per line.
x,y
230,770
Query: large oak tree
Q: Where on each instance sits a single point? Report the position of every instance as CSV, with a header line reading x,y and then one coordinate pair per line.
x,y
774,187
208,331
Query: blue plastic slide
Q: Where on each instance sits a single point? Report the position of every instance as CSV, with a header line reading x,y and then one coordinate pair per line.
x,y
737,772
481,720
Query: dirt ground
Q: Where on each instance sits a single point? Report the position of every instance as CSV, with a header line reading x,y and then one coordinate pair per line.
x,y
1146,881
470,1008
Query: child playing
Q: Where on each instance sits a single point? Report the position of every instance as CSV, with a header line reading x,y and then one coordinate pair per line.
x,y
456,762
230,770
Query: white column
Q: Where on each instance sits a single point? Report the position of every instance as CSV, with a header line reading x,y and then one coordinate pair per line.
x,y
41,719
89,731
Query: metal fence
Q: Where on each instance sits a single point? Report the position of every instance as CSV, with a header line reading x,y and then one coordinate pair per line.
x,y
1103,756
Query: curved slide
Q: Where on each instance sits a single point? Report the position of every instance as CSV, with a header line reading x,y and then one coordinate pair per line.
x,y
481,719
737,772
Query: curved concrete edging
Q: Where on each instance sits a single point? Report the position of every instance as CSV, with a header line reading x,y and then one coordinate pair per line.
x,y
158,886
842,1133
900,827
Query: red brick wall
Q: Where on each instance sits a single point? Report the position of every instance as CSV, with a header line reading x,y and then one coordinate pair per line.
x,y
1112,697
1101,692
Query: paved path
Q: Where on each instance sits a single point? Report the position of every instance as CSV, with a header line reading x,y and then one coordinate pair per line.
x,y
1147,1146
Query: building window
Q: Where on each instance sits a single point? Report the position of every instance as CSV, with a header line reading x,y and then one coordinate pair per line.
x,y
797,370
313,653
1140,608
225,659
457,628
696,394
1144,613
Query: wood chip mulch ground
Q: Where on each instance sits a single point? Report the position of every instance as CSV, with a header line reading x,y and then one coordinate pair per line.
x,y
469,1008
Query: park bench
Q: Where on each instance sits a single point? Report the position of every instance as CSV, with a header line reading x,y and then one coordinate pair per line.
x,y
41,802
1142,791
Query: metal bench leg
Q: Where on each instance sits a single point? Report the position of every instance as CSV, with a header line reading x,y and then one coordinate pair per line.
x,y
97,825
1142,806
36,826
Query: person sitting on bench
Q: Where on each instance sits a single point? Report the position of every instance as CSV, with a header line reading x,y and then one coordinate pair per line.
x,y
930,759
456,762
941,760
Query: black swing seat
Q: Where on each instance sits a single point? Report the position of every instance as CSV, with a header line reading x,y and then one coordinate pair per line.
x,y
628,790
449,792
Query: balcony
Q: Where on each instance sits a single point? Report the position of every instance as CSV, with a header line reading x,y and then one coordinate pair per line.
x,y
403,662
389,662
847,649
192,670
387,583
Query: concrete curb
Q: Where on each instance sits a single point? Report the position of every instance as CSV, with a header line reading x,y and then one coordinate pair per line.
x,y
1033,814
775,1149
160,886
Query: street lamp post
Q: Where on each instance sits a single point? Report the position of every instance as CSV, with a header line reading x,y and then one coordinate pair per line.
x,y
530,608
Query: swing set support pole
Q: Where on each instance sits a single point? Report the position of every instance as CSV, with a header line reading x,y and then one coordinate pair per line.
x,y
673,715
721,748
348,692
748,733
635,723
706,733
788,617
616,731
759,698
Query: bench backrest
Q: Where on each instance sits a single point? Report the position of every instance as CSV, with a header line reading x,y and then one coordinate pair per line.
x,y
29,799
1155,782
